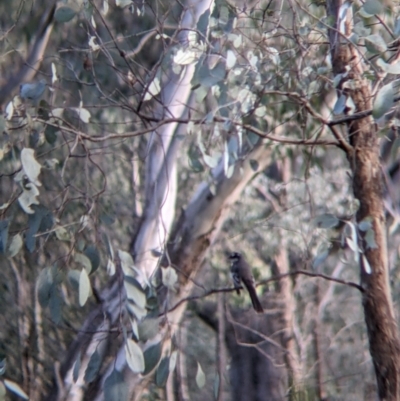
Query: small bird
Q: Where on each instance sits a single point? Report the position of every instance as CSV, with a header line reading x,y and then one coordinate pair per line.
x,y
241,273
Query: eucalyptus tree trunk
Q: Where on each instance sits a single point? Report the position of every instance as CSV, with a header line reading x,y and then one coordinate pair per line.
x,y
194,232
363,155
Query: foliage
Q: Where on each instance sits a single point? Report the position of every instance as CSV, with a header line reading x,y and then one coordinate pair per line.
x,y
73,161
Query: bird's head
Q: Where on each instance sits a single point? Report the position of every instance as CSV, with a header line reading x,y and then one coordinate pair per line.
x,y
234,257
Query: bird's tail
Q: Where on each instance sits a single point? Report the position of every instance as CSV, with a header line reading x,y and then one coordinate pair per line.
x,y
254,298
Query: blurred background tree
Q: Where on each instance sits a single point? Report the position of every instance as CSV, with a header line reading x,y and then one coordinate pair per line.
x,y
147,140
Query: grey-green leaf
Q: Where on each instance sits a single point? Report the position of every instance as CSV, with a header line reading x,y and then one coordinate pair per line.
x,y
93,367
384,101
162,372
55,303
16,389
77,367
375,44
93,254
134,291
64,14
115,388
326,220
44,285
151,356
373,7
148,329
200,377
370,239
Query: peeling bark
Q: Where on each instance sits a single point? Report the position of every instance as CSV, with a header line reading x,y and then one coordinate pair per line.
x,y
368,186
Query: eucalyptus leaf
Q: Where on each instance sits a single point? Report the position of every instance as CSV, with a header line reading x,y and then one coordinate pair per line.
x,y
384,101
15,388
64,14
370,239
44,284
84,287
148,329
375,44
115,387
55,303
319,259
134,356
93,255
152,356
326,220
15,245
134,291
162,372
200,377
373,7
93,367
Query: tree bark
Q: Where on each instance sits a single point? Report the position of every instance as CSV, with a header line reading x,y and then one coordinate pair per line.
x,y
365,165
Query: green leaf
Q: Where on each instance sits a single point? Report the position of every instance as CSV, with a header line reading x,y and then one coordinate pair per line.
x,y
320,258
217,383
134,291
50,134
73,278
200,377
206,77
15,245
84,261
93,367
122,3
202,24
373,7
326,220
384,100
152,356
93,254
115,388
126,263
110,249
169,277
162,372
64,14
84,287
370,239
62,234
40,221
44,285
194,161
172,360
138,312
340,105
365,224
148,329
366,265
375,44
134,356
30,166
15,388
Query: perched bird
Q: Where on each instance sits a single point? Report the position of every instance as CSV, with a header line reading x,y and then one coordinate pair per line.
x,y
32,91
241,273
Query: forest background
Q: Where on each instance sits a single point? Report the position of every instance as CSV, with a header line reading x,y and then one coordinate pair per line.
x,y
151,138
